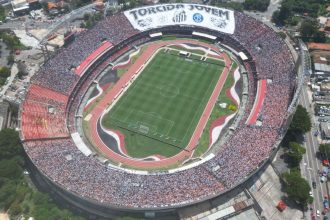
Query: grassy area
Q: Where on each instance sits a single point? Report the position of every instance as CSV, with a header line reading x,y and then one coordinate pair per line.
x,y
194,57
206,40
215,61
217,112
160,111
141,146
121,72
168,37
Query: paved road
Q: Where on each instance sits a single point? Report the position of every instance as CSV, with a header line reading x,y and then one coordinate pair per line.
x,y
311,164
267,15
13,25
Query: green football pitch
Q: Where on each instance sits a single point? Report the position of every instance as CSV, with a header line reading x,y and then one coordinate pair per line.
x,y
160,110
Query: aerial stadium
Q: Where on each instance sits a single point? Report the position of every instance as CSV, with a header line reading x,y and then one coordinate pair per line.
x,y
158,108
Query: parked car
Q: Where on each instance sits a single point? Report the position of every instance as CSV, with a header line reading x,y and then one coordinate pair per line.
x,y
314,184
323,179
326,204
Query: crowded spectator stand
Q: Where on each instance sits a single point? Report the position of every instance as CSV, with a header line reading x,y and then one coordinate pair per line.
x,y
48,120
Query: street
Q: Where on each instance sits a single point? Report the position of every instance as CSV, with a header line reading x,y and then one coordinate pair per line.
x,y
311,164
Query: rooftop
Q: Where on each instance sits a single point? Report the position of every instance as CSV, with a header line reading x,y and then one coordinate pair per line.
x,y
318,46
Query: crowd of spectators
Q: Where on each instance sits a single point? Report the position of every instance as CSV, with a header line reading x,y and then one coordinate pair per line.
x,y
43,114
268,50
247,148
88,177
58,72
274,106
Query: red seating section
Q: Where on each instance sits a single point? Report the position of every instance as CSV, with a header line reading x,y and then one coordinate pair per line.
x,y
43,114
93,56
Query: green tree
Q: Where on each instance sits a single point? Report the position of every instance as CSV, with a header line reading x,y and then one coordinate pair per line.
x,y
280,16
44,208
290,8
40,198
12,41
259,5
10,145
296,152
10,169
20,74
7,194
10,59
14,188
4,72
44,6
15,209
86,17
2,13
320,37
282,34
297,188
88,24
2,81
308,29
293,21
301,121
325,149
276,18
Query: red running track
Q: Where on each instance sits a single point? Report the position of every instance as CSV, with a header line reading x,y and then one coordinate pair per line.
x,y
106,101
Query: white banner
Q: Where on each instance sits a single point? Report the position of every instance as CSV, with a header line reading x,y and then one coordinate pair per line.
x,y
149,17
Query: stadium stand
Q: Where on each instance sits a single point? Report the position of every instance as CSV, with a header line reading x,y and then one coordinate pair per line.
x,y
44,114
92,57
261,93
43,118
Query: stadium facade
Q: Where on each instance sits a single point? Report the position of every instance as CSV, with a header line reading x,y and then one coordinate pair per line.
x,y
49,116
